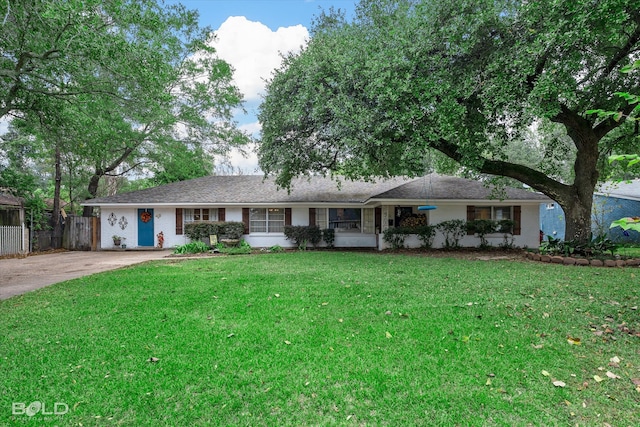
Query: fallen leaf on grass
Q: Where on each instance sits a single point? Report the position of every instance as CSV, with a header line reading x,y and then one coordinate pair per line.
x,y
537,347
615,360
598,378
325,303
635,381
559,384
388,335
153,359
545,373
488,381
574,341
287,342
612,375
276,295
231,335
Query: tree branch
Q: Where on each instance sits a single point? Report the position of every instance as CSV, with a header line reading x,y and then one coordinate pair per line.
x,y
533,178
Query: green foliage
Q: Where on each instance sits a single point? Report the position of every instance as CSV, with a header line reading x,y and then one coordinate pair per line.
x,y
371,97
276,249
628,223
103,86
425,233
192,248
482,227
329,237
301,235
395,236
242,248
599,246
453,231
224,230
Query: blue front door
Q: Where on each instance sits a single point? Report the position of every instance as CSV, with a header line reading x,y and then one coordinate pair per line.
x,y
145,227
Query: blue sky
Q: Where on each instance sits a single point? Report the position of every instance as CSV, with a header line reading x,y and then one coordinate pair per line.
x,y
272,13
251,35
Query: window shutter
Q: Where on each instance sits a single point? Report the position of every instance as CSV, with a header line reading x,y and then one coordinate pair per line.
x,y
287,216
245,219
378,219
221,215
179,230
517,217
471,215
312,216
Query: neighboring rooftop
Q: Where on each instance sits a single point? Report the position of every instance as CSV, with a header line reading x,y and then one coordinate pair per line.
x,y
623,190
7,199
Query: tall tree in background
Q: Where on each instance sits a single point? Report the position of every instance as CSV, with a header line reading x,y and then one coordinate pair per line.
x,y
465,78
117,84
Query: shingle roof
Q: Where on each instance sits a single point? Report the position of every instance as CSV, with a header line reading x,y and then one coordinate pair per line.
x,y
442,187
247,189
623,190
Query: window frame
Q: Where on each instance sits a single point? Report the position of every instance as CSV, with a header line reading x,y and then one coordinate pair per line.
x,y
189,215
271,220
365,224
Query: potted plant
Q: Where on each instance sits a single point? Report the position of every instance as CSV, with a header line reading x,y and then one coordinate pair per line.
x,y
116,240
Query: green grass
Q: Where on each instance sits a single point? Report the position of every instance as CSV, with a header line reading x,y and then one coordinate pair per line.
x,y
326,338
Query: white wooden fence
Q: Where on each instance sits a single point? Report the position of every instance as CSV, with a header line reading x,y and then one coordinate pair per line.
x,y
12,239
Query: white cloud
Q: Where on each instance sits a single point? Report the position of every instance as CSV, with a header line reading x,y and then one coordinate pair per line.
x,y
254,50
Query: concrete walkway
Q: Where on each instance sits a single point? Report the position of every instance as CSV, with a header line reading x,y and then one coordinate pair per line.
x,y
21,275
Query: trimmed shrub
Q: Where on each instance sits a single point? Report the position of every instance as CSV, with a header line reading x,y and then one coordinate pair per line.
x,y
302,235
224,230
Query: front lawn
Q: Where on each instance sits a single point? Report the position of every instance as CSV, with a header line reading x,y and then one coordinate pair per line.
x,y
326,338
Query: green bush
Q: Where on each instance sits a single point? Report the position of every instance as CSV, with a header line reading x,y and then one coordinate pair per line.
x,y
599,246
395,236
453,231
482,227
301,235
224,230
425,233
242,248
329,237
192,248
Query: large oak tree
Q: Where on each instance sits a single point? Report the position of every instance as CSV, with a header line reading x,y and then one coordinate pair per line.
x,y
373,96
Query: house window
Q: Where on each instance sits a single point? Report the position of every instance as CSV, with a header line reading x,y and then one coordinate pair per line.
x,y
266,220
347,220
551,206
197,215
495,213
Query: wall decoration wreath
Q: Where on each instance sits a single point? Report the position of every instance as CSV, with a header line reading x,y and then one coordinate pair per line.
x,y
145,216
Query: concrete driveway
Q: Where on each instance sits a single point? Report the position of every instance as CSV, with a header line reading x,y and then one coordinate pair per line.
x,y
21,275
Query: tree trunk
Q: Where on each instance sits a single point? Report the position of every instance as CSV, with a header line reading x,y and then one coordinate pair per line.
x,y
56,222
87,211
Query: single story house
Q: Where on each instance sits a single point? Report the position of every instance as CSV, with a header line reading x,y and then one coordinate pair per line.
x,y
359,211
611,201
